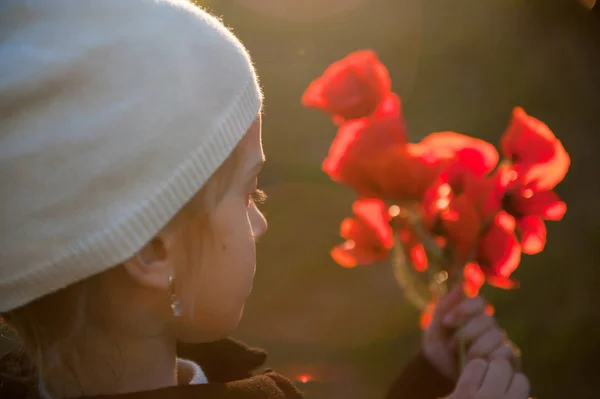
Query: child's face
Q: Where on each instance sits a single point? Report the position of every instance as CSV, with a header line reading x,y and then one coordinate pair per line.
x,y
220,275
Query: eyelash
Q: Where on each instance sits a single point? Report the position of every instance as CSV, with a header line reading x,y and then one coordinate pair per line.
x,y
258,197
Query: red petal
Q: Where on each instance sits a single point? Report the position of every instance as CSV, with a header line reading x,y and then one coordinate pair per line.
x,y
390,106
533,234
427,316
374,213
344,256
405,172
506,222
473,279
381,75
386,130
478,155
313,95
556,211
502,282
351,254
544,204
350,228
358,147
508,263
527,139
464,230
368,235
350,88
538,155
346,136
499,251
419,258
493,190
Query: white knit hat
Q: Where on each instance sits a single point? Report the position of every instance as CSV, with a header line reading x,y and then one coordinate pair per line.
x,y
113,114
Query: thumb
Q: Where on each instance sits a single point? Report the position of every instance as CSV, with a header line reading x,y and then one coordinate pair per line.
x,y
445,305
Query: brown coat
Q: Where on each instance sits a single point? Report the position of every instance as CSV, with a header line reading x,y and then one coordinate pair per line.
x,y
229,366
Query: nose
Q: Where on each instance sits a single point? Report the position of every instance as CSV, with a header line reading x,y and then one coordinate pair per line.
x,y
258,222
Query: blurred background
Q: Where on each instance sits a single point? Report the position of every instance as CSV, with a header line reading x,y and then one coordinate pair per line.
x,y
458,65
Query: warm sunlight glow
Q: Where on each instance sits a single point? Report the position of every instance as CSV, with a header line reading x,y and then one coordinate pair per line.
x,y
441,277
444,190
589,4
442,203
394,211
301,9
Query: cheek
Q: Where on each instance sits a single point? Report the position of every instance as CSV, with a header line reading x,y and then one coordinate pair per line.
x,y
224,274
234,243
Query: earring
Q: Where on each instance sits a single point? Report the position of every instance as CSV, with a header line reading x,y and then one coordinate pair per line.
x,y
175,305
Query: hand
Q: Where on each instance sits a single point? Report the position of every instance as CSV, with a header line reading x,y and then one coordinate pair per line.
x,y
493,380
483,338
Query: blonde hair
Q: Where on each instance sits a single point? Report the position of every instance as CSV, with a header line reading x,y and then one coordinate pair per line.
x,y
50,328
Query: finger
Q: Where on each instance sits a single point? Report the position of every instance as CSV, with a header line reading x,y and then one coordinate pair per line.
x,y
497,379
465,310
446,304
475,328
486,344
471,378
510,352
519,388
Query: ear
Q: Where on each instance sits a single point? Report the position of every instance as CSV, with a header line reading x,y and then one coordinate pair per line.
x,y
150,267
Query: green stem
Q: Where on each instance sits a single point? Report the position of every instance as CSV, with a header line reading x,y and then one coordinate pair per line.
x,y
412,288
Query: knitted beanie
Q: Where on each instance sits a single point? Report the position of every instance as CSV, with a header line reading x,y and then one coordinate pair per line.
x,y
113,114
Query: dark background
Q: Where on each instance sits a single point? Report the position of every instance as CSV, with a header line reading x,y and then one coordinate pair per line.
x,y
458,65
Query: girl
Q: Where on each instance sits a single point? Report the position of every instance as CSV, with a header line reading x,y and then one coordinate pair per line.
x,y
130,148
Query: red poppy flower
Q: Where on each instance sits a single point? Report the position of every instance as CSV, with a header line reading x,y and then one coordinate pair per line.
x,y
452,202
499,252
368,235
451,214
362,141
528,207
491,190
350,88
537,155
405,172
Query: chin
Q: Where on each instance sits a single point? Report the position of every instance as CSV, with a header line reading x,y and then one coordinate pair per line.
x,y
208,329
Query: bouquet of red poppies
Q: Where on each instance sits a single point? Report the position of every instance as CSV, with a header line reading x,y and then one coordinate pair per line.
x,y
446,210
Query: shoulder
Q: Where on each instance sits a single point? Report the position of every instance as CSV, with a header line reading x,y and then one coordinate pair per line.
x,y
224,360
230,366
17,379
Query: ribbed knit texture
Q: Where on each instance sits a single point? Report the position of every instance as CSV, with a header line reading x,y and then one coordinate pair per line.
x,y
113,115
